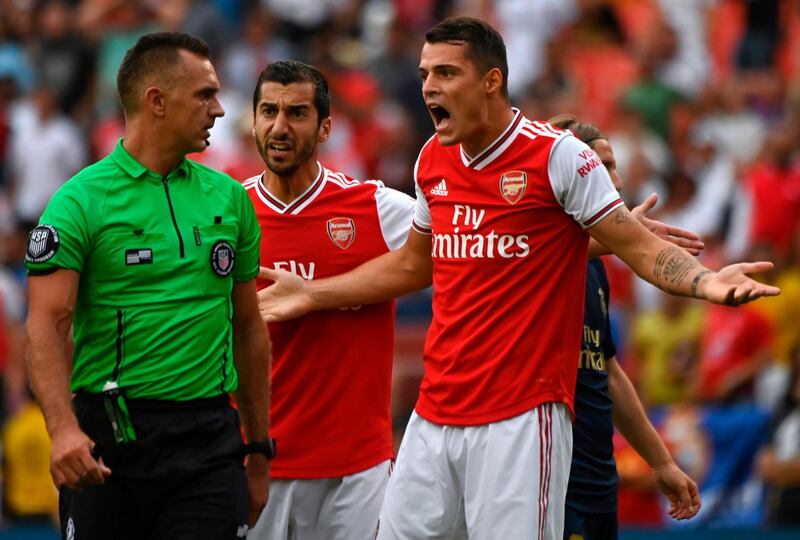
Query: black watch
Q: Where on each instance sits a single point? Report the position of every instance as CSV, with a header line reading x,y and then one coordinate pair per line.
x,y
268,447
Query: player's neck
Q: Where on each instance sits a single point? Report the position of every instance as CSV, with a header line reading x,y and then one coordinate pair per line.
x,y
497,120
150,151
288,188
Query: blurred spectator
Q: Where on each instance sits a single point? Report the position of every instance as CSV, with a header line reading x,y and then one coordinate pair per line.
x,y
779,463
254,47
736,343
199,18
29,496
527,27
774,187
687,65
63,59
664,344
652,98
47,148
113,26
761,36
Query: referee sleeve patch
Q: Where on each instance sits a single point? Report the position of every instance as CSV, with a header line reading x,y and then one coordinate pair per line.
x,y
43,244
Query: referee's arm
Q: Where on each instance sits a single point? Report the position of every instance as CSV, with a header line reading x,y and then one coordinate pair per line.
x,y
51,304
251,354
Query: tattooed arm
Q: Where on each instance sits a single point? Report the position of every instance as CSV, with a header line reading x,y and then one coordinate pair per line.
x,y
673,269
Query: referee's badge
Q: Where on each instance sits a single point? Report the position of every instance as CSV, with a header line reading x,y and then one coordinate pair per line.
x,y
42,244
222,258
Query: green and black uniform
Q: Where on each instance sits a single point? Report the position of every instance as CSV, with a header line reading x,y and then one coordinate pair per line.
x,y
158,258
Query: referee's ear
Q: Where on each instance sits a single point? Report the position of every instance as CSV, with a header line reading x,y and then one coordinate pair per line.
x,y
154,101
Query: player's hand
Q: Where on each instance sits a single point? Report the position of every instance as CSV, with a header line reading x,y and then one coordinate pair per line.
x,y
257,472
731,286
72,464
680,237
680,490
287,298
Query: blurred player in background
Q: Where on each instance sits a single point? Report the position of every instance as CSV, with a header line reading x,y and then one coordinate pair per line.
x,y
156,257
504,205
605,397
332,369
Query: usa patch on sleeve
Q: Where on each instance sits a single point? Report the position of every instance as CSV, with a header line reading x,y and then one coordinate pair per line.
x,y
42,244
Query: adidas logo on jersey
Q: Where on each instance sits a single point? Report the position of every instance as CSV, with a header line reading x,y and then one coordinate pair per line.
x,y
440,189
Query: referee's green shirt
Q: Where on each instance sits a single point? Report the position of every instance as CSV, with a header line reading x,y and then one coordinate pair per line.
x,y
157,259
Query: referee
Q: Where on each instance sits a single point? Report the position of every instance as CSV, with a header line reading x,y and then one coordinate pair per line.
x,y
152,259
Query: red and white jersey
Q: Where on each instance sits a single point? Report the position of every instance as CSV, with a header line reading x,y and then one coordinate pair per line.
x,y
509,262
331,370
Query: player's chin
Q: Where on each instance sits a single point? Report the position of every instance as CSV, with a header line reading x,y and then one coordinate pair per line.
x,y
447,138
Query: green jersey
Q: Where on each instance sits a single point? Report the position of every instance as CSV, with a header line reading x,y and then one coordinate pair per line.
x,y
157,258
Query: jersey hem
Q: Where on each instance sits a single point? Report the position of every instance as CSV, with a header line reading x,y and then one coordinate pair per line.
x,y
309,473
494,416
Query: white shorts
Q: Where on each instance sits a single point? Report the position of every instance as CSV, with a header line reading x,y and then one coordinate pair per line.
x,y
343,508
505,480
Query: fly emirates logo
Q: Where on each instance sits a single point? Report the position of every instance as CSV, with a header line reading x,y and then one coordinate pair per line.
x,y
467,242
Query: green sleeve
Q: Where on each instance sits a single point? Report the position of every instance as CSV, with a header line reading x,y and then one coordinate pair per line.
x,y
62,238
249,241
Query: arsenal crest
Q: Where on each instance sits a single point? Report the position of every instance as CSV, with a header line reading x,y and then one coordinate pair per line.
x,y
512,185
341,231
222,258
42,244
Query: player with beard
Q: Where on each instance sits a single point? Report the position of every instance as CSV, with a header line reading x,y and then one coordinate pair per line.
x,y
332,369
505,208
604,398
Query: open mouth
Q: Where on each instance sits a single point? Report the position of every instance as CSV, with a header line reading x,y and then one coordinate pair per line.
x,y
440,115
279,147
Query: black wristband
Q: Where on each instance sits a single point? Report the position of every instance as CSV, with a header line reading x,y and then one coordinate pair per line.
x,y
268,448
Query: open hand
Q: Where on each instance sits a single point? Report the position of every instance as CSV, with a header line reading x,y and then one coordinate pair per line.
x,y
731,286
680,237
287,298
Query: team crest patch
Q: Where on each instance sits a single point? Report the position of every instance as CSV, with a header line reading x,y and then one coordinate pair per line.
x,y
43,244
512,185
342,232
222,258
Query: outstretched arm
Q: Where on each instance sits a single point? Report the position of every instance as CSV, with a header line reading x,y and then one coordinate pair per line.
x,y
391,275
673,269
675,235
632,422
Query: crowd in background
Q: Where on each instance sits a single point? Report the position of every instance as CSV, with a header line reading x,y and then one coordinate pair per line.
x,y
700,100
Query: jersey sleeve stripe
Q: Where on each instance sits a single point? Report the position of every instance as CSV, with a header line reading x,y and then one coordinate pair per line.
x,y
602,213
420,229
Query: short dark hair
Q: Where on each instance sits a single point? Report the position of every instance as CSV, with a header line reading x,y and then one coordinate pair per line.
x,y
291,71
585,132
153,53
485,46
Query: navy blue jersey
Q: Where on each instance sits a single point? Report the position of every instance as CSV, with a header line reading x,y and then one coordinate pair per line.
x,y
593,476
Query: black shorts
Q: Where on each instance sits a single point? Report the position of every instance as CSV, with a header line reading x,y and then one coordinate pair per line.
x,y
182,479
584,526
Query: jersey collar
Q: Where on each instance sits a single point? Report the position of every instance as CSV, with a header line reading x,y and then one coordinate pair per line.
x,y
134,169
497,147
300,202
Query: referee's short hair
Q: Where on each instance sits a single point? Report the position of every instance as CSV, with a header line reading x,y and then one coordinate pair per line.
x,y
154,55
291,71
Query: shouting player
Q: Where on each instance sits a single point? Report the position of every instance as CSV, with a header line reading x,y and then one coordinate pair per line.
x,y
504,205
332,369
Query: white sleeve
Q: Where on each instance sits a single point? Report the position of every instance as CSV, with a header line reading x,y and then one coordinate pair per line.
x,y
422,214
580,182
395,212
